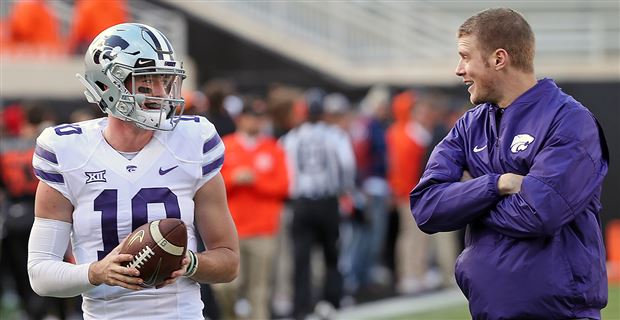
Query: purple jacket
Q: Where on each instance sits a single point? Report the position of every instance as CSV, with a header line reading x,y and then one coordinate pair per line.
x,y
537,254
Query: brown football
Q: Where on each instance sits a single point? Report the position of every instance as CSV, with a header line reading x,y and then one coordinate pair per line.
x,y
158,248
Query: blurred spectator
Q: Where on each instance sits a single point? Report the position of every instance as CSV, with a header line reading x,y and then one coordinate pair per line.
x,y
234,105
216,92
407,140
256,185
286,107
17,188
444,245
323,168
12,120
83,114
93,16
32,27
195,103
4,34
368,135
338,110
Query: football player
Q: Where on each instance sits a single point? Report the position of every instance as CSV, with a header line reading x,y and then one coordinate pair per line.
x,y
101,179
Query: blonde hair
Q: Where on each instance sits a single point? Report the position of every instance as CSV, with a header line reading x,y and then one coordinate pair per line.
x,y
506,29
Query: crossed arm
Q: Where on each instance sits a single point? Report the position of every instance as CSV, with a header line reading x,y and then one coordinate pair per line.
x,y
561,182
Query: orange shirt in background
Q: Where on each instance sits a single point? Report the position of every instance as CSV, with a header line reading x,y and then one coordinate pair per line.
x,y
93,16
405,162
405,155
4,34
255,208
31,25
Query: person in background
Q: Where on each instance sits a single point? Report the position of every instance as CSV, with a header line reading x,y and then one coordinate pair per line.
x,y
322,167
88,21
369,143
216,91
18,185
234,105
442,247
31,27
256,178
337,111
82,114
537,159
407,139
287,108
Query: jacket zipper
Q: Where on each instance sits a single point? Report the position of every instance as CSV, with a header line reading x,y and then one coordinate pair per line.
x,y
496,125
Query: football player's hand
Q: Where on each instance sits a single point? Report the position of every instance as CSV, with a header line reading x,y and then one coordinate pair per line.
x,y
509,183
175,275
110,271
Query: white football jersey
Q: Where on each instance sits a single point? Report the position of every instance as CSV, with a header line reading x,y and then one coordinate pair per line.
x,y
112,196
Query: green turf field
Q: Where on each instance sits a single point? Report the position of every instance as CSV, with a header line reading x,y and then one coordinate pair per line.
x,y
612,312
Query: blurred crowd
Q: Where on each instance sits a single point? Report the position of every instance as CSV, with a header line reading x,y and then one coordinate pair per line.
x,y
317,184
33,27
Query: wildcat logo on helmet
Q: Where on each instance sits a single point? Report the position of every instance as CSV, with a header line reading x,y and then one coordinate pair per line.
x,y
109,49
520,142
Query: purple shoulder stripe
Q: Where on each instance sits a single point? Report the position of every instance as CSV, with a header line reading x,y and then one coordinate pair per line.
x,y
49,176
211,143
45,154
213,165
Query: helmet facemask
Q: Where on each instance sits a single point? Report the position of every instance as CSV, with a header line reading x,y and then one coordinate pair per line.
x,y
151,97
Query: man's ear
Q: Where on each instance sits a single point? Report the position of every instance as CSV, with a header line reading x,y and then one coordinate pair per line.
x,y
500,59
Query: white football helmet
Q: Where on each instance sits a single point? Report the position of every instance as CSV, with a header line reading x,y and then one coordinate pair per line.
x,y
132,73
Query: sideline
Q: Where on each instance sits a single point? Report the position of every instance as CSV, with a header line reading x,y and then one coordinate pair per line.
x,y
402,306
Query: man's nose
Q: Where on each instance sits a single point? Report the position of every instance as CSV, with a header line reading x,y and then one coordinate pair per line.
x,y
159,89
460,71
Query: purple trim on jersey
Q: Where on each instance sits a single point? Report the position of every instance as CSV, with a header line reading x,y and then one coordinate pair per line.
x,y
214,141
49,176
213,165
47,155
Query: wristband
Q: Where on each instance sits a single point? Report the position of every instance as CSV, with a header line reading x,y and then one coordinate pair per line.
x,y
193,264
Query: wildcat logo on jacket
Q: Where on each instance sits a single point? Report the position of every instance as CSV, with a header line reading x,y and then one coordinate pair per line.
x,y
520,142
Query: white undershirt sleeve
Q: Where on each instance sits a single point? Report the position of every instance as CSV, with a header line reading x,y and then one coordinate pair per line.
x,y
49,274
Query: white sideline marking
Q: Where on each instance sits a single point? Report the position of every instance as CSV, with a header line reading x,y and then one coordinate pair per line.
x,y
400,306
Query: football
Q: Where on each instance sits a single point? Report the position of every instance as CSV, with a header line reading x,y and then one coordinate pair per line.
x,y
158,248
